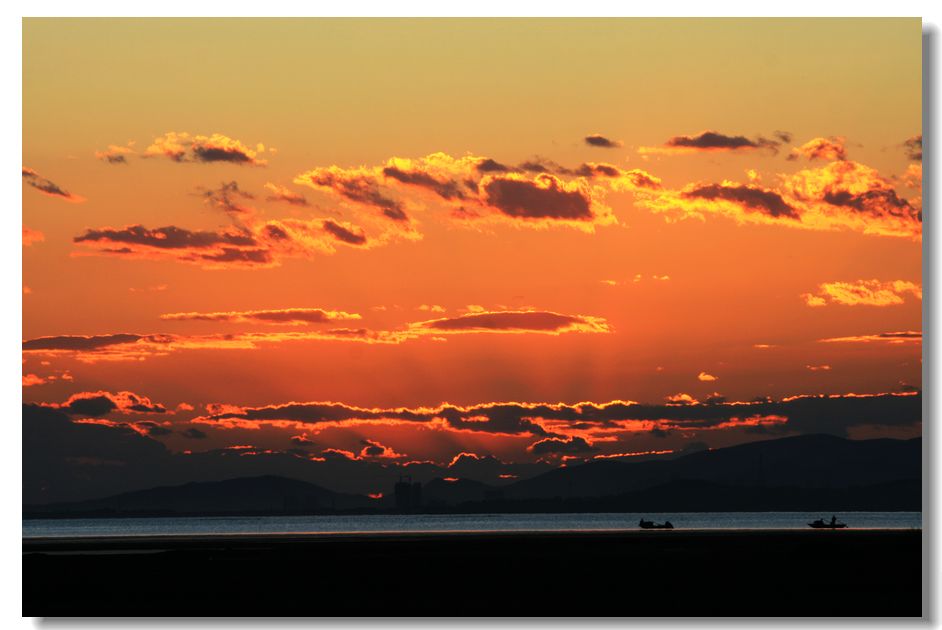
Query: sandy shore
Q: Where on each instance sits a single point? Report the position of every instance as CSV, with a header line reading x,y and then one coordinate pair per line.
x,y
629,573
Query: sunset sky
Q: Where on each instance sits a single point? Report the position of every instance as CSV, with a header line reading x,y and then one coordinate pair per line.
x,y
386,243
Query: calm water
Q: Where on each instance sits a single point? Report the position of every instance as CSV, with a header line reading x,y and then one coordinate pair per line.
x,y
451,522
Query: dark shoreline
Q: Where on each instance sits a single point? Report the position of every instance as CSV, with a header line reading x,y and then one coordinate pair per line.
x,y
609,573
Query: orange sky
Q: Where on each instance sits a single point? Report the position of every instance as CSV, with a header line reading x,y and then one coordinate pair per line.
x,y
470,212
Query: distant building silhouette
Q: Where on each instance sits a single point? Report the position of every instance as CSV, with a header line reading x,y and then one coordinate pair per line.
x,y
408,494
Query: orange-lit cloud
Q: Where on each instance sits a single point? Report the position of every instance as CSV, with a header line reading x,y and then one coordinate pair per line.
x,y
819,368
831,148
48,187
559,446
471,188
31,236
898,337
912,178
290,316
29,380
374,450
703,376
616,178
116,154
136,347
100,403
281,193
863,292
563,422
182,147
842,195
747,197
358,185
252,243
475,188
224,248
514,322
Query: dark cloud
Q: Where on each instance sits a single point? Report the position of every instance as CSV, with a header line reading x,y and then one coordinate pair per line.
x,y
765,201
902,336
595,140
344,234
540,165
802,414
227,197
80,342
169,237
516,320
372,449
572,445
597,170
357,187
154,429
243,256
115,154
636,178
446,189
280,193
487,165
876,202
913,148
267,316
182,147
193,433
715,141
97,404
831,148
543,198
275,232
48,187
92,406
220,154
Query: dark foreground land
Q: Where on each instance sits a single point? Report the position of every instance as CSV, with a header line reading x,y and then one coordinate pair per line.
x,y
653,573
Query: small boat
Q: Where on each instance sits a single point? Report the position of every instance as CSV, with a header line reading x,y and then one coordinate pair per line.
x,y
821,524
652,525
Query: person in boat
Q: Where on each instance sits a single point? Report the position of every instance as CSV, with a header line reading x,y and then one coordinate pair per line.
x,y
833,520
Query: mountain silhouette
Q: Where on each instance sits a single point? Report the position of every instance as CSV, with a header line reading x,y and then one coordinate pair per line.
x,y
264,494
812,472
807,461
785,473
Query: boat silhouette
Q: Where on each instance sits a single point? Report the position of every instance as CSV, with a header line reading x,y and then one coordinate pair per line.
x,y
643,524
822,524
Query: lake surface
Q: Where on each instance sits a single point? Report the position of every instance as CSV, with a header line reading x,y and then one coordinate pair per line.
x,y
34,528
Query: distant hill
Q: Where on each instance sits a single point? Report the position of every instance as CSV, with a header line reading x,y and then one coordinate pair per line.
x,y
703,496
770,474
808,461
445,492
265,494
812,472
